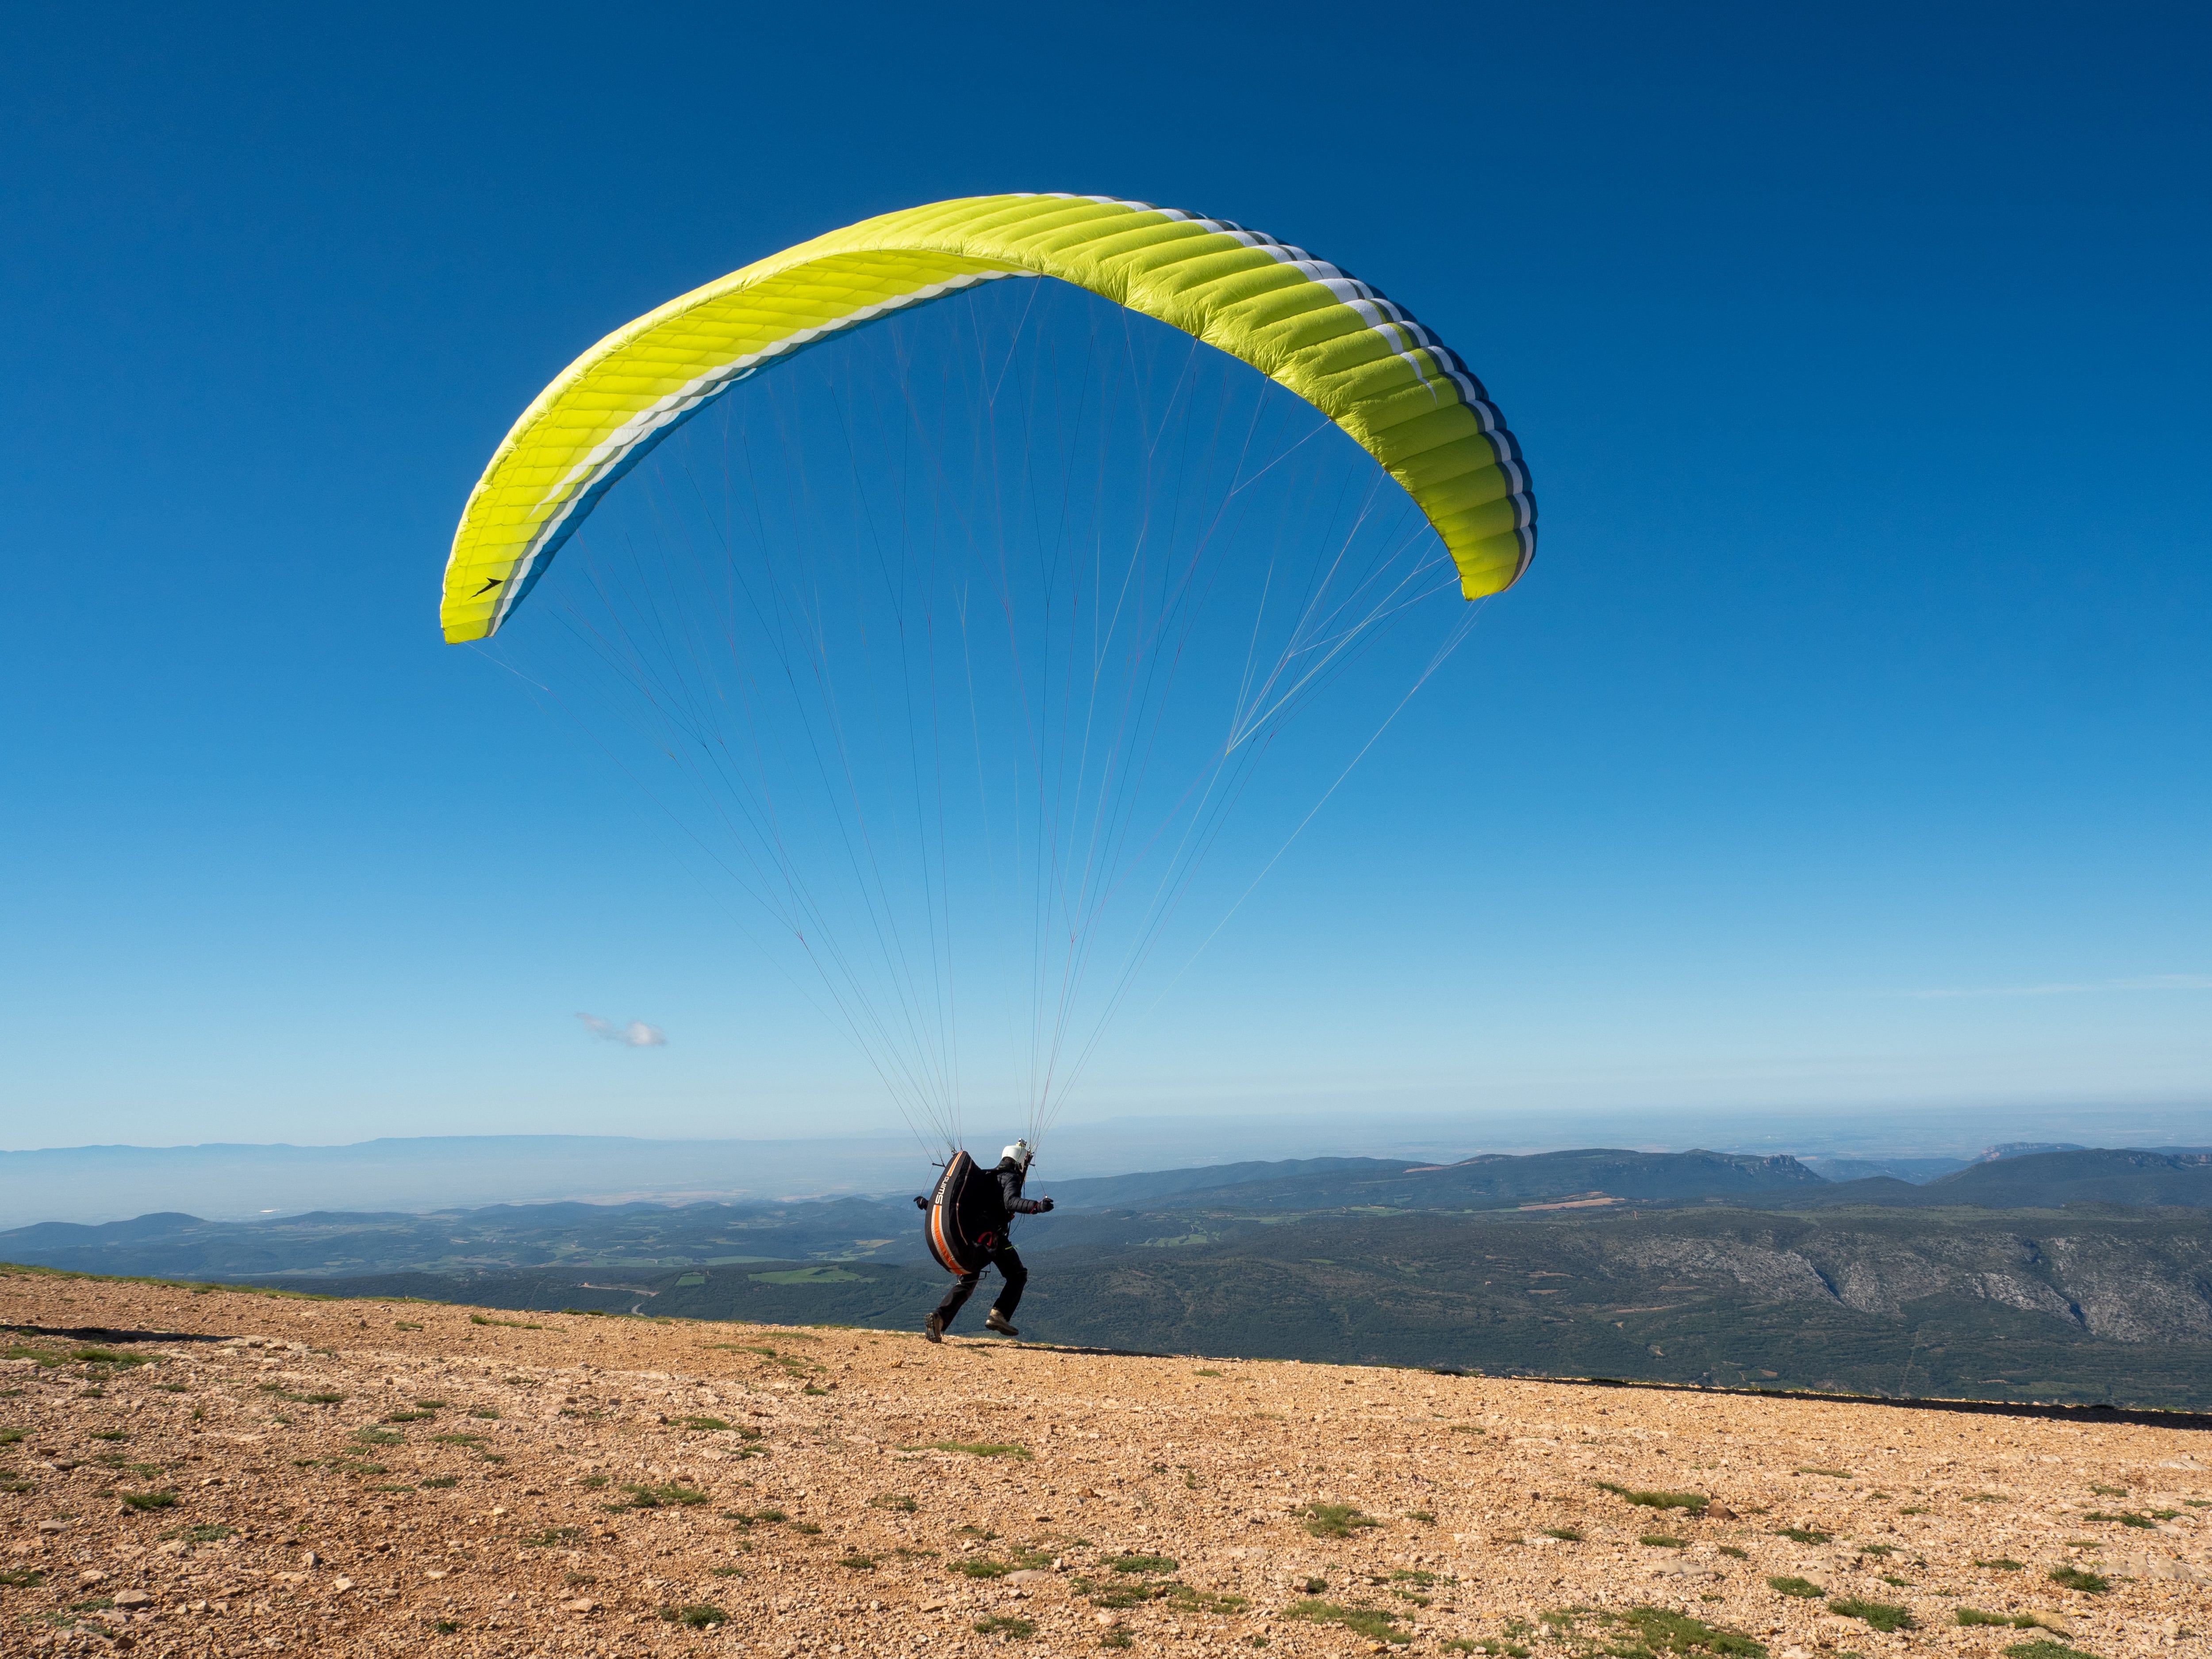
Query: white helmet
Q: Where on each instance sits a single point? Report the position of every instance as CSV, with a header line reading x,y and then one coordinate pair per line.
x,y
1021,1153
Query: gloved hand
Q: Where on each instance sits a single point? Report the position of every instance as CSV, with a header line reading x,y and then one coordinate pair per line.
x,y
1044,1205
919,1202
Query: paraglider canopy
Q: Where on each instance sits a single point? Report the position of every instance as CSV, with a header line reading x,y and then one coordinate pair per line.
x,y
1361,360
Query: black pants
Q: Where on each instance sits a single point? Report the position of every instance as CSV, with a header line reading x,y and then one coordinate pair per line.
x,y
1010,1269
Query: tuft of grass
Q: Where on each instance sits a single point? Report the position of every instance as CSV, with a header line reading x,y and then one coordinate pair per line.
x,y
652,1497
728,1572
1143,1564
976,1449
553,1537
981,1566
1885,1616
149,1500
2000,1563
2108,1491
109,1357
378,1437
2126,1518
1660,1540
15,1483
1565,1535
1203,1373
1661,1631
1185,1598
2072,1577
697,1615
1788,1585
1803,1534
409,1417
442,1482
1694,1502
210,1532
704,1424
511,1324
486,1412
892,1500
430,1404
1376,1624
1988,1498
2011,1620
1833,1475
406,1325
323,1398
1335,1520
1003,1624
445,1627
1734,1553
455,1439
120,1434
1118,1638
2045,1648
857,1562
1426,1517
22,1577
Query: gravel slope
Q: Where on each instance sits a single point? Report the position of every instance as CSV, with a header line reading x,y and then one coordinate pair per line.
x,y
375,1477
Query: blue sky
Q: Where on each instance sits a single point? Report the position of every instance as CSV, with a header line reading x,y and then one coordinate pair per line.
x,y
1847,750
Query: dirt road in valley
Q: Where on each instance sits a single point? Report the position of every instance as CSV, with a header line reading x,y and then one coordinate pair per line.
x,y
206,1472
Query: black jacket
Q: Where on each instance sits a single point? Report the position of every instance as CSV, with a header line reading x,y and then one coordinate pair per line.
x,y
1011,1176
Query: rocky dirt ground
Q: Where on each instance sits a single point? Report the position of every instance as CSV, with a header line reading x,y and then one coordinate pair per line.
x,y
216,1472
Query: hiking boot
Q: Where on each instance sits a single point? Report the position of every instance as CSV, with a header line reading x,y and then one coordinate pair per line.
x,y
932,1329
995,1320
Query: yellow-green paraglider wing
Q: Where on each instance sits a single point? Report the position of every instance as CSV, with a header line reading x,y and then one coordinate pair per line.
x,y
1362,361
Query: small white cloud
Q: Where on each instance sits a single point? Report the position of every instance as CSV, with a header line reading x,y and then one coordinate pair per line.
x,y
635,1035
2145,982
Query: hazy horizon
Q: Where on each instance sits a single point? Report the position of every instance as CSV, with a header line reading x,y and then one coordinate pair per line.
x,y
235,1180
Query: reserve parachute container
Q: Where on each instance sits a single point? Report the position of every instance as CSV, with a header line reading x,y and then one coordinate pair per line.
x,y
964,1218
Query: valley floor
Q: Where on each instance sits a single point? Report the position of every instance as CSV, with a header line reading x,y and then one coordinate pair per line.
x,y
221,1472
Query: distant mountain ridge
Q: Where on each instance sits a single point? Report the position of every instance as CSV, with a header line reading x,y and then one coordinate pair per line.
x,y
2037,1181
1207,1203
